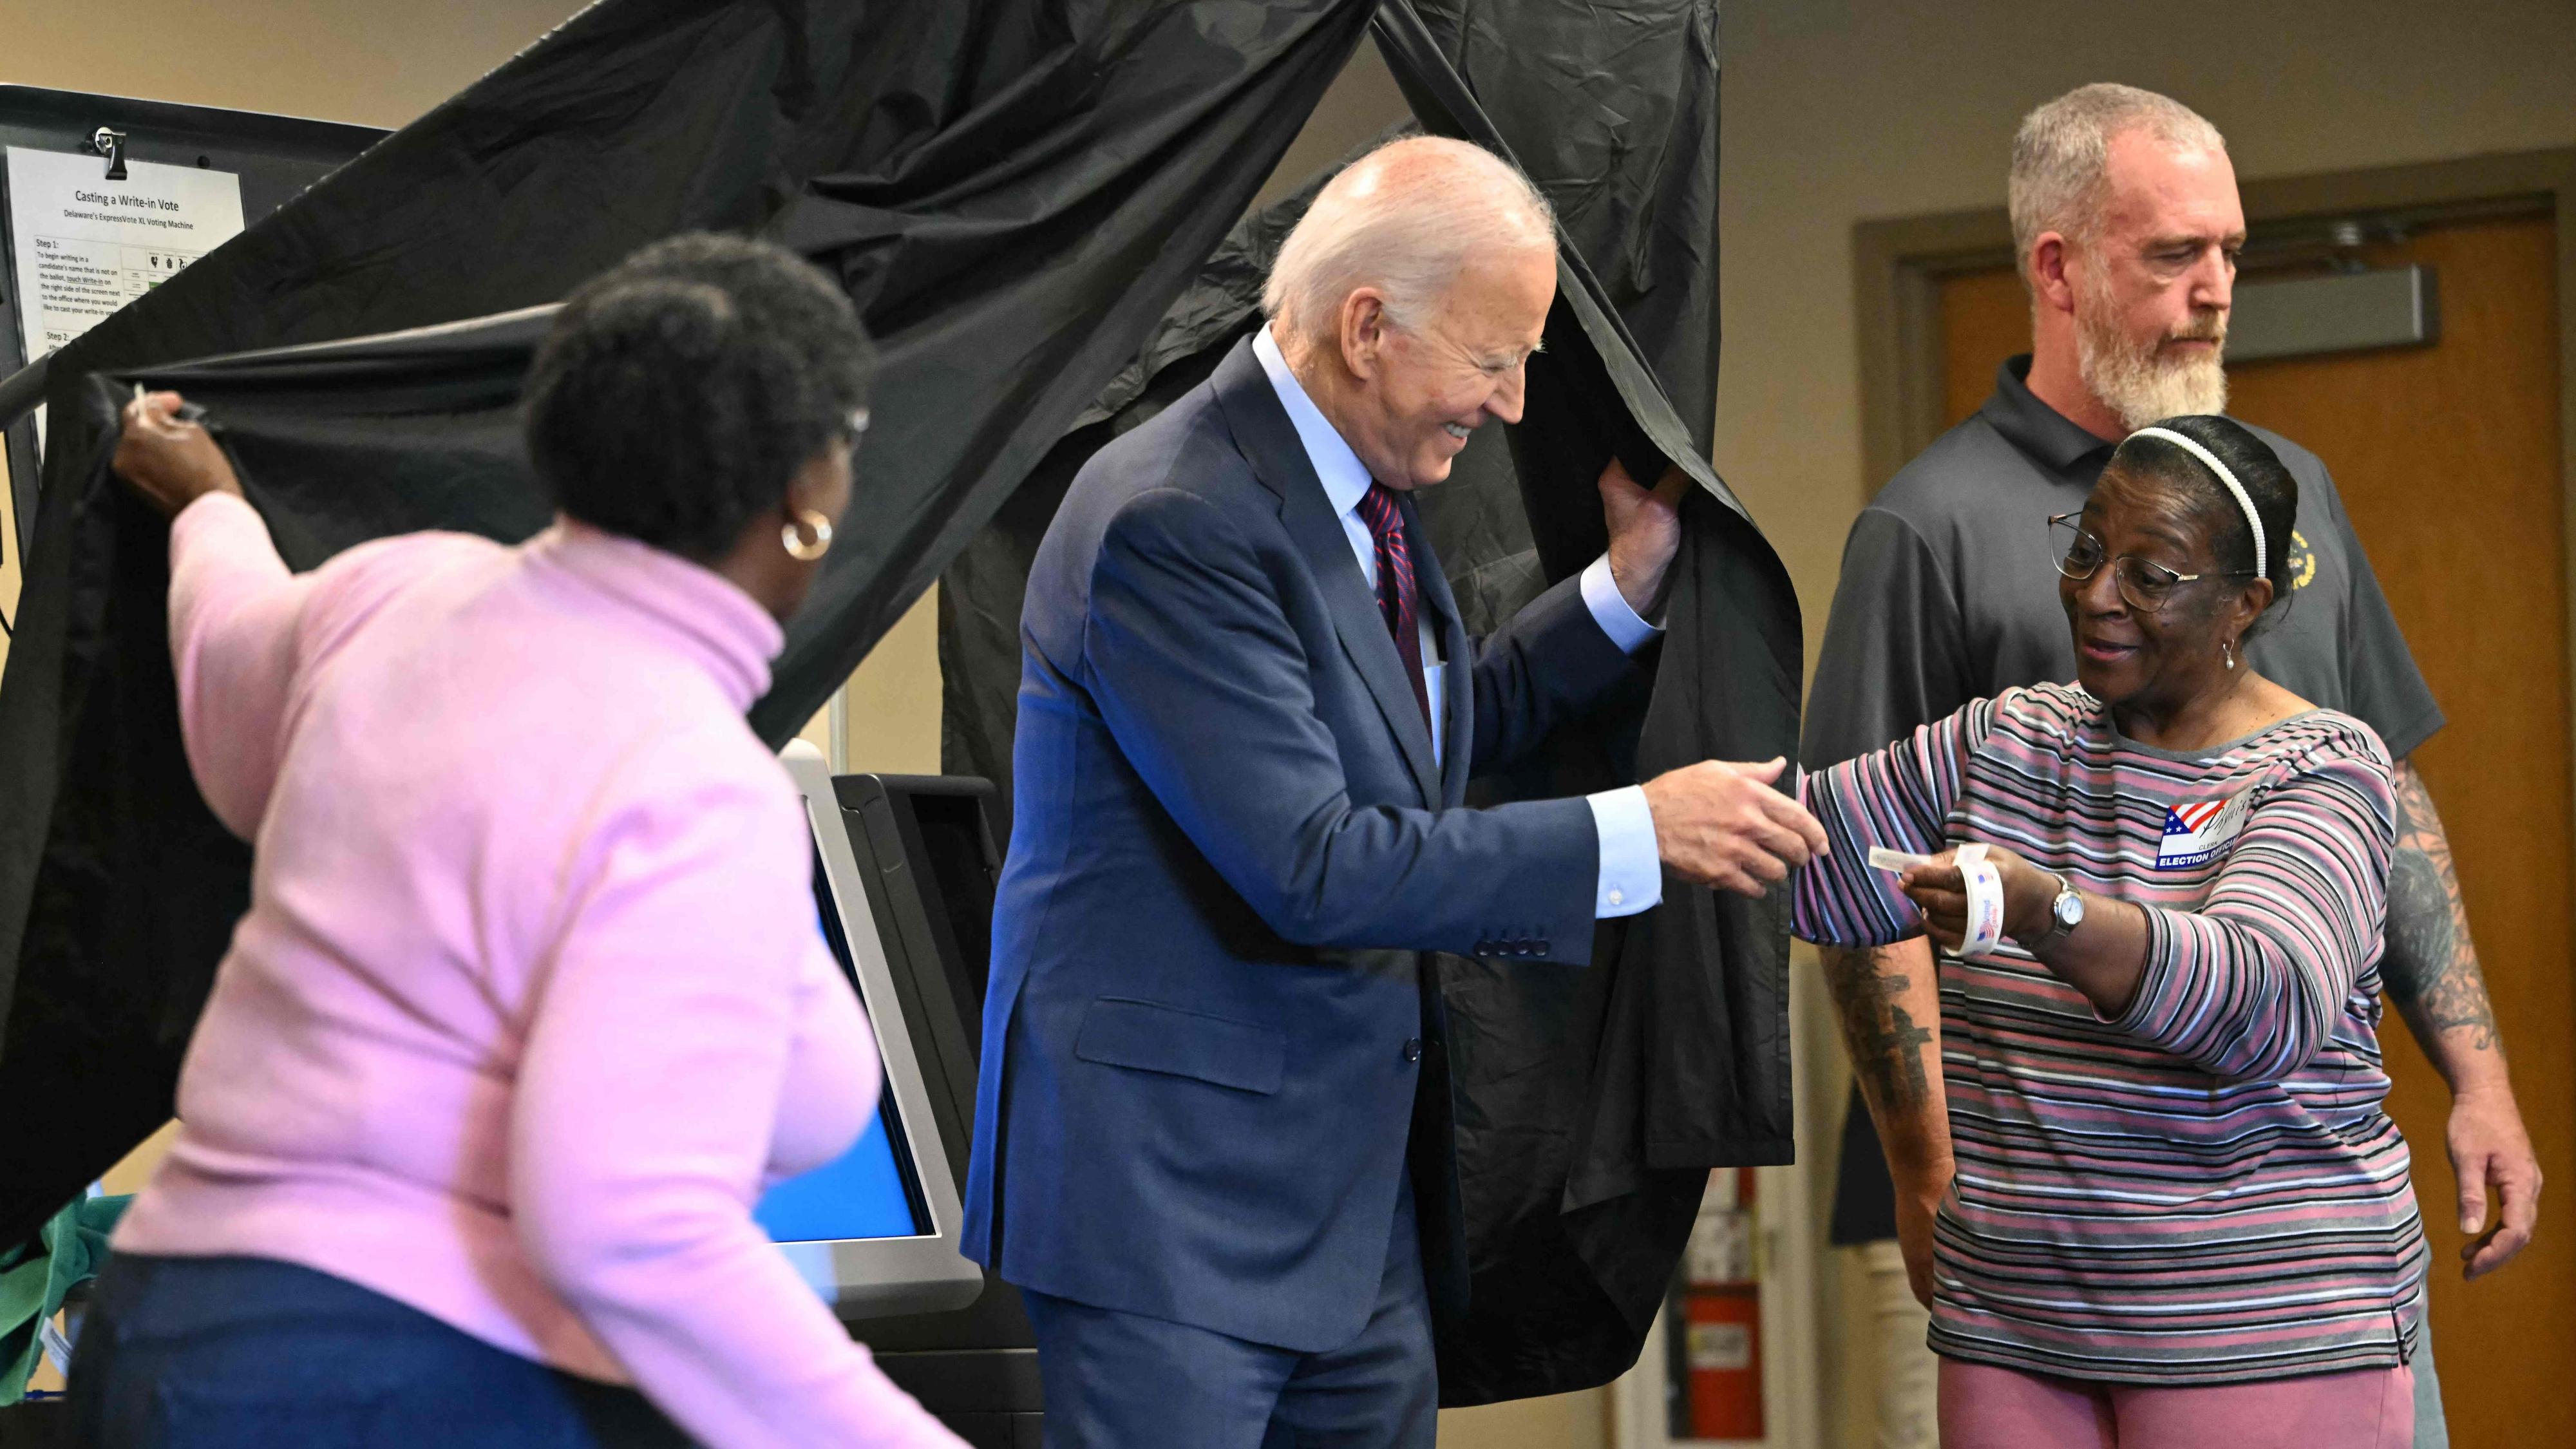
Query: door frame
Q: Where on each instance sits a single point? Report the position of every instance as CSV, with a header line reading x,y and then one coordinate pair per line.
x,y
1898,265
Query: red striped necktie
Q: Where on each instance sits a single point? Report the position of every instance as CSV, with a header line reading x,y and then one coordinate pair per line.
x,y
1399,599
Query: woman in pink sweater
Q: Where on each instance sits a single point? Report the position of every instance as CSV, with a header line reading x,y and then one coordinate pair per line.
x,y
530,1003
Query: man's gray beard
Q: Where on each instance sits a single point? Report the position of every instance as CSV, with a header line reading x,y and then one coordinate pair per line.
x,y
2141,387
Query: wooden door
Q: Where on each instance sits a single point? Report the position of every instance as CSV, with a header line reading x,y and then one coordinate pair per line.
x,y
2448,460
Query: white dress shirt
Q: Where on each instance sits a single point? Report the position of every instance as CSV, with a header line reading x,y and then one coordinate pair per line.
x,y
1631,874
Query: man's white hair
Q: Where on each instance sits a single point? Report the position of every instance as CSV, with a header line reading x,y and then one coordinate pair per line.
x,y
2061,156
1406,218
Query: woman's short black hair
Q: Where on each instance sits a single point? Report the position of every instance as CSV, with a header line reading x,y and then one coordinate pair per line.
x,y
2267,482
679,391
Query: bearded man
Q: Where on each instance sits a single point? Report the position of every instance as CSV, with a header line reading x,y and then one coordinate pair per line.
x,y
2126,226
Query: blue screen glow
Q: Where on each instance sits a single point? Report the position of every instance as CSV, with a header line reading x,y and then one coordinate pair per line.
x,y
856,1195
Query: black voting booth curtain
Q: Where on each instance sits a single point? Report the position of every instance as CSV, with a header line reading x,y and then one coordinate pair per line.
x,y
1021,195
1586,1106
1013,191
1614,116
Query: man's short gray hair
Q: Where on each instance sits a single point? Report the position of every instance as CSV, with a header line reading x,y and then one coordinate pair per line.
x,y
1405,219
2061,156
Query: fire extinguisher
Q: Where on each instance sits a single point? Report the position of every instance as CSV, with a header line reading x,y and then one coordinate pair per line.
x,y
1722,1315
1724,1325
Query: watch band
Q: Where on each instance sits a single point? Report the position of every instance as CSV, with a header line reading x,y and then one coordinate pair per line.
x,y
2057,924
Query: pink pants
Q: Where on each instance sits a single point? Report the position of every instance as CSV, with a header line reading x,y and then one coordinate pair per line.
x,y
1984,1407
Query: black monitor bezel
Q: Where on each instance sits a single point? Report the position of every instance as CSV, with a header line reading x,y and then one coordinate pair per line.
x,y
869,1278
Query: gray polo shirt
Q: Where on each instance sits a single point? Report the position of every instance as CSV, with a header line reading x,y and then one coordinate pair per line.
x,y
1949,591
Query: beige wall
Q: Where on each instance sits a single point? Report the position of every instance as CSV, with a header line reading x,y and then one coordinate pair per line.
x,y
364,61
890,707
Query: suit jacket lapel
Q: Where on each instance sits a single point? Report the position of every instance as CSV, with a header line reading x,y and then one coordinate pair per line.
x,y
1270,444
1458,694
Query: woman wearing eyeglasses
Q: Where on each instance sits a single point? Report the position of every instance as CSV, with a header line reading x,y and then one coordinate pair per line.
x,y
2181,1216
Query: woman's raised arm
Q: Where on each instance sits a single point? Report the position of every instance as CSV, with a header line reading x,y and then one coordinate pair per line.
x,y
234,607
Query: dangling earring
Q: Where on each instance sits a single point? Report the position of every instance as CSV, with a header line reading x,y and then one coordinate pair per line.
x,y
807,537
2228,648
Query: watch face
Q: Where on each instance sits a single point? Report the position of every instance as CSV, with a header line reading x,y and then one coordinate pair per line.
x,y
2070,910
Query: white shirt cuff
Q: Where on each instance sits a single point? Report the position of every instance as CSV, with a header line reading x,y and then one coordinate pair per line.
x,y
1632,870
1610,610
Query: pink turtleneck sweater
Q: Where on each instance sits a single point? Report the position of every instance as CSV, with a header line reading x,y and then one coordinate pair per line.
x,y
530,1003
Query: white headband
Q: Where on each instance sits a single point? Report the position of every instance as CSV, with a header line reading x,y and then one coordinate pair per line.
x,y
2244,499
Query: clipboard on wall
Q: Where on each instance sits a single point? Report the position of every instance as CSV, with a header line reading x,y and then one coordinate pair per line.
x,y
273,158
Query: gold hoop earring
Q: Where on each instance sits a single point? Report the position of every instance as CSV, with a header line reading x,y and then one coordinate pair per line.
x,y
807,536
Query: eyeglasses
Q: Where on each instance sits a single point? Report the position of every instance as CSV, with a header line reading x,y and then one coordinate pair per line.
x,y
2146,587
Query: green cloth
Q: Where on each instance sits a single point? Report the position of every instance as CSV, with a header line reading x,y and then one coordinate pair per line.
x,y
37,1275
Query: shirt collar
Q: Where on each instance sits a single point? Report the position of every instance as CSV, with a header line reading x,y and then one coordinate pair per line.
x,y
1345,478
706,614
2039,430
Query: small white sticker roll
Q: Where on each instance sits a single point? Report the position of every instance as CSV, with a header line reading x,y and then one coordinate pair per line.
x,y
1985,901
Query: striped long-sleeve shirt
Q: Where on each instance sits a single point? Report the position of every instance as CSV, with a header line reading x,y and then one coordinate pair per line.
x,y
2206,1189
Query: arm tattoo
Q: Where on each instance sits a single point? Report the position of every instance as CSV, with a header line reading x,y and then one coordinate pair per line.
x,y
1886,1043
2431,967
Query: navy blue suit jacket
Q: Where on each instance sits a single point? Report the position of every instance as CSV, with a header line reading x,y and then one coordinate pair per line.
x,y
1203,1029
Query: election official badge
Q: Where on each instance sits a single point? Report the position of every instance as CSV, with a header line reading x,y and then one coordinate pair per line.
x,y
2197,831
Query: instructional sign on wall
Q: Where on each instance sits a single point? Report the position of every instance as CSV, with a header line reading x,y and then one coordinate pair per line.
x,y
87,246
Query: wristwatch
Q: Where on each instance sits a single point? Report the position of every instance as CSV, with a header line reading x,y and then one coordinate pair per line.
x,y
2065,913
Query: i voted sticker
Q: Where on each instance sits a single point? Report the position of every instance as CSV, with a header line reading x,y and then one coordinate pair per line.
x,y
2197,831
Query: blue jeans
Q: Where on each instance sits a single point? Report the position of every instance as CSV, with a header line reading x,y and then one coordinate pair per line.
x,y
249,1353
